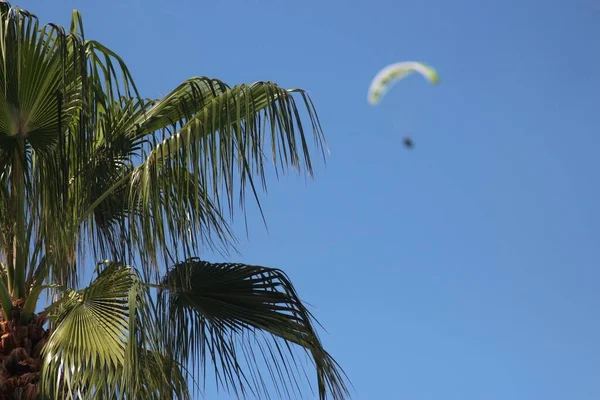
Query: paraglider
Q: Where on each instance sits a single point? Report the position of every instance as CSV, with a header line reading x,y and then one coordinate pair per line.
x,y
389,75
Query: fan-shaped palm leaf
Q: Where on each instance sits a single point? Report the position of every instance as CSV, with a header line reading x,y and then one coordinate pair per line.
x,y
100,347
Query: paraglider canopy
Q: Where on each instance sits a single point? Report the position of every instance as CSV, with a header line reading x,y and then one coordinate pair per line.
x,y
391,74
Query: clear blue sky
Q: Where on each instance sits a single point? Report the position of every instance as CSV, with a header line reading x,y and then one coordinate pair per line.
x,y
464,269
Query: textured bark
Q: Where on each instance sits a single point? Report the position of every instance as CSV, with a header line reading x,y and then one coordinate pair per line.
x,y
20,355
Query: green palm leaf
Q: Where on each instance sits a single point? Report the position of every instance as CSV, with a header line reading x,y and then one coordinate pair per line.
x,y
217,312
100,347
201,148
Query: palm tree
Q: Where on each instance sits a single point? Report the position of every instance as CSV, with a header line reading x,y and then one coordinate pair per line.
x,y
94,174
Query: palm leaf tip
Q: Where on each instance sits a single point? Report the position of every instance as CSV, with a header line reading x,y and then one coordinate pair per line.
x,y
218,307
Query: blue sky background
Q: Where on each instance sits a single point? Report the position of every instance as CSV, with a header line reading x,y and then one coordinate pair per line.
x,y
466,268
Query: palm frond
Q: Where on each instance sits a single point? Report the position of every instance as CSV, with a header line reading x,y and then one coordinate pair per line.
x,y
100,344
212,149
191,155
226,313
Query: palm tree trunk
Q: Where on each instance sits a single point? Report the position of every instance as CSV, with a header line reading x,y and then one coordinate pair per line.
x,y
20,355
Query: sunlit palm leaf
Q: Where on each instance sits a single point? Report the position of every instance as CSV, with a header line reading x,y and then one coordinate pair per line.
x,y
215,312
222,138
200,148
99,346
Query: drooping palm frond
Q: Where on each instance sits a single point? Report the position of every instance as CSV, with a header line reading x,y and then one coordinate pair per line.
x,y
118,217
190,156
223,138
219,313
103,345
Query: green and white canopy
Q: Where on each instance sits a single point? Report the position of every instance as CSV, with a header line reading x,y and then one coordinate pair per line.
x,y
391,74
